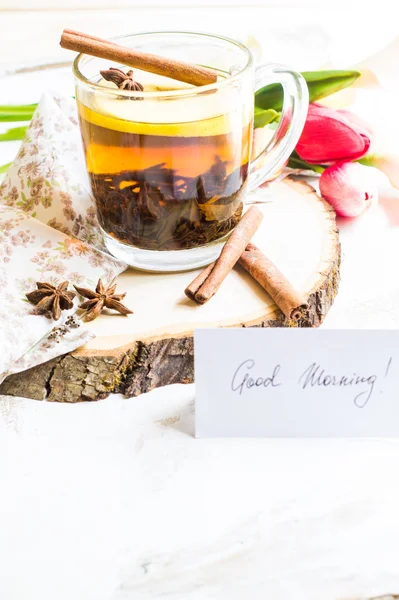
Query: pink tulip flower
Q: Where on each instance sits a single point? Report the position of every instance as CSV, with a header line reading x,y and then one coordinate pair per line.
x,y
332,135
349,187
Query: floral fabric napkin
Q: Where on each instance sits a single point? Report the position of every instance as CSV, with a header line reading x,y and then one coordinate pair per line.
x,y
48,232
47,180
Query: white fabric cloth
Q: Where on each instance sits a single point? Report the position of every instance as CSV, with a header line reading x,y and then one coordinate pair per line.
x,y
48,232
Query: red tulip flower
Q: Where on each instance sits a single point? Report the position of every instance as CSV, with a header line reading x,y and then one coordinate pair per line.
x,y
332,135
350,188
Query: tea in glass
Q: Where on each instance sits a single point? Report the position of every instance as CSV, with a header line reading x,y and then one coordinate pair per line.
x,y
165,186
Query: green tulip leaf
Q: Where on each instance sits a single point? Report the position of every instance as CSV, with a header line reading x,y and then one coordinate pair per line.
x,y
23,112
295,162
15,133
320,85
264,117
370,160
4,168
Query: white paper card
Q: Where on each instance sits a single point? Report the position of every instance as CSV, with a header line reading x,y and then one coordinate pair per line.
x,y
296,383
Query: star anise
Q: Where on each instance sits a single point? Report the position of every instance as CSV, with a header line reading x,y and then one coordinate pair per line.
x,y
102,297
124,81
49,298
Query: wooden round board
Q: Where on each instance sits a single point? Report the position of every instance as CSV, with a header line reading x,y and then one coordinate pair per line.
x,y
154,347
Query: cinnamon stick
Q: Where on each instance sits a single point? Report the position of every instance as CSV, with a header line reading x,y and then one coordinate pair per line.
x,y
86,35
208,282
94,46
195,285
264,271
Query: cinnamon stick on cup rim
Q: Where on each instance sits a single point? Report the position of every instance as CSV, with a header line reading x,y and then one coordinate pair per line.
x,y
86,35
206,284
174,69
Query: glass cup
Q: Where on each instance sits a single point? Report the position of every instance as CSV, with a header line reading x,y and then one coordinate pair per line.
x,y
170,166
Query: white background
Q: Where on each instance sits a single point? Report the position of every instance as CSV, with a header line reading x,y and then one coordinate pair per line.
x,y
96,4
331,32
116,500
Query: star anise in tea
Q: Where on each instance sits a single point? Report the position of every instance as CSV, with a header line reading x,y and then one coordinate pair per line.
x,y
49,298
102,297
124,81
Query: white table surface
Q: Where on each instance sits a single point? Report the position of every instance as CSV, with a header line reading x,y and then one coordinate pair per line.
x,y
116,500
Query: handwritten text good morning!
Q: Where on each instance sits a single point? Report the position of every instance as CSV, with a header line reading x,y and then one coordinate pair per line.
x,y
259,382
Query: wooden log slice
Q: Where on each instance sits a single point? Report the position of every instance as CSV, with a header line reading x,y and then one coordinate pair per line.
x,y
154,347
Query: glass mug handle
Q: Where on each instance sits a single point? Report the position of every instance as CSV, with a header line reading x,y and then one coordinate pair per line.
x,y
293,116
